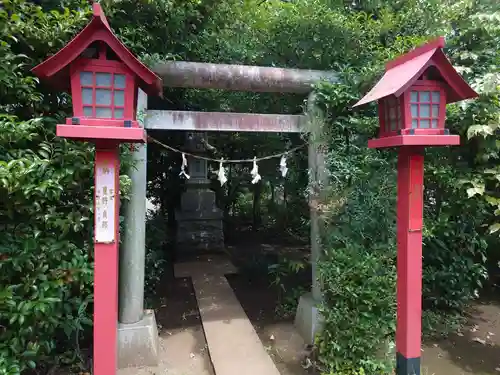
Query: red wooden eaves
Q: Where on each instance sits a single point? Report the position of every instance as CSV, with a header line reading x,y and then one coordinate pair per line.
x,y
459,88
431,45
403,71
98,29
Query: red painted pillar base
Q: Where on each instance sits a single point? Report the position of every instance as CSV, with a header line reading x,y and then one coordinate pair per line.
x,y
106,240
409,262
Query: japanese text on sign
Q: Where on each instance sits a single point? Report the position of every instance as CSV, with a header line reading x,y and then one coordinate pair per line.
x,y
105,203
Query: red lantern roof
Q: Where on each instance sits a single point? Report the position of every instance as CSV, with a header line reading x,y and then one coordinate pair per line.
x,y
403,71
55,69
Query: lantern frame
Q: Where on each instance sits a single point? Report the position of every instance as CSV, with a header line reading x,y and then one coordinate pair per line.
x,y
403,114
96,49
405,76
411,72
62,71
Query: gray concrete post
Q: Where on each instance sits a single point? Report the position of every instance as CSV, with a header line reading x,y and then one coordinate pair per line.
x,y
137,330
133,251
317,183
307,319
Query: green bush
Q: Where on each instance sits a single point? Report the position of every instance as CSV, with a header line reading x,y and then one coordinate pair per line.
x,y
357,272
156,260
358,309
45,263
454,263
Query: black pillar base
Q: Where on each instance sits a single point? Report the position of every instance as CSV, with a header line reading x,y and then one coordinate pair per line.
x,y
407,366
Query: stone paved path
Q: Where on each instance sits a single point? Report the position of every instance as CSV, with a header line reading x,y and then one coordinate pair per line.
x,y
233,343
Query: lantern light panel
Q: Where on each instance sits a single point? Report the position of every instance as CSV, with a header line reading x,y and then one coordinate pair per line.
x,y
102,89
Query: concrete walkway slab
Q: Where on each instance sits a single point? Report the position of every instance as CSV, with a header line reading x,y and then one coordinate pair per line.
x,y
233,344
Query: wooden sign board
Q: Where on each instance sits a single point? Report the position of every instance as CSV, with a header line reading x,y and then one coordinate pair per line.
x,y
104,203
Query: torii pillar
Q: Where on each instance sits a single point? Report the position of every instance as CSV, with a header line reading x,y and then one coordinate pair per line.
x,y
137,329
307,318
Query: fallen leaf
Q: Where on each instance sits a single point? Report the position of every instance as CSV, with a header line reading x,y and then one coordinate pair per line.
x,y
481,341
191,355
272,337
307,363
460,334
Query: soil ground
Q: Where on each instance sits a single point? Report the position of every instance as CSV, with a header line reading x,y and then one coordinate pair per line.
x,y
475,350
183,348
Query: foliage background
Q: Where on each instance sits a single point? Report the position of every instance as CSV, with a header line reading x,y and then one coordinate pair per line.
x,y
45,182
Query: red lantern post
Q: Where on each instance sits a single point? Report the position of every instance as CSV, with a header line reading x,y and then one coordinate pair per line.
x,y
412,97
103,77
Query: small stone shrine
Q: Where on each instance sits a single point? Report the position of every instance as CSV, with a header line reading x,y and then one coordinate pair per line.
x,y
199,220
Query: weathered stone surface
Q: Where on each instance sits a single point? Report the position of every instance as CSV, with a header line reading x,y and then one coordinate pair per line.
x,y
224,121
138,342
233,343
308,319
201,235
198,200
199,220
240,77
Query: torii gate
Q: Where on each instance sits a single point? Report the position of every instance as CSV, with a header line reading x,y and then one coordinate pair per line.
x,y
104,78
137,333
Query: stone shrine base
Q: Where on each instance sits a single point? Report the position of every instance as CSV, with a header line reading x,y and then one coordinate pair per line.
x,y
199,222
307,319
138,342
199,235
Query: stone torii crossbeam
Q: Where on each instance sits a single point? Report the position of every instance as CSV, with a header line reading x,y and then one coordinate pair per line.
x,y
137,334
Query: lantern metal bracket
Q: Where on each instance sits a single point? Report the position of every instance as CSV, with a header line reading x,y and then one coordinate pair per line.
x,y
127,123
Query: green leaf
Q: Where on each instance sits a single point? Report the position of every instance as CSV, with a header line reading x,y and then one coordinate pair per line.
x,y
478,189
494,228
482,130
